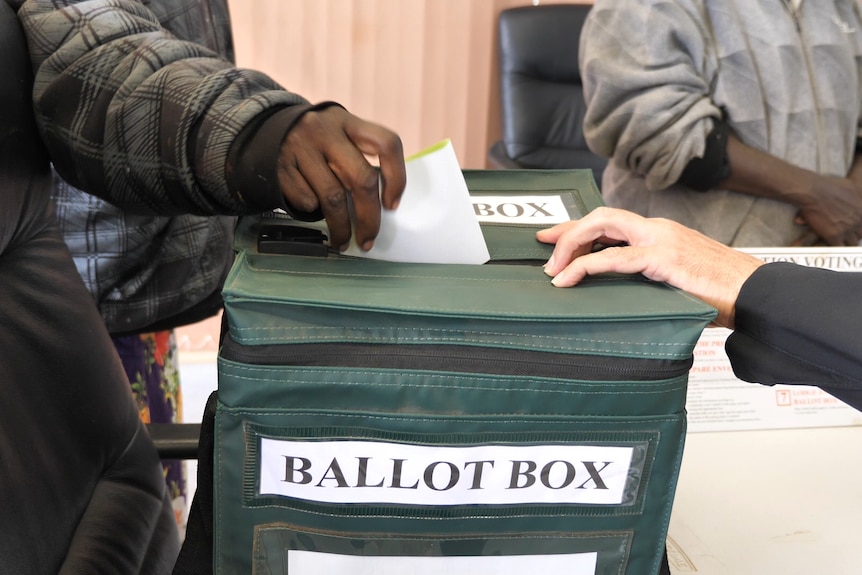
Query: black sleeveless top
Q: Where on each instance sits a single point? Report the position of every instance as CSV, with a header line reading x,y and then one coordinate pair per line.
x,y
24,166
20,139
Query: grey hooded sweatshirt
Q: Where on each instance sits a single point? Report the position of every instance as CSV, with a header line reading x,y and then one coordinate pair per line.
x,y
786,77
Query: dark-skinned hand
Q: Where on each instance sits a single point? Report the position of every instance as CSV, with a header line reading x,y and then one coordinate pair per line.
x,y
323,165
833,210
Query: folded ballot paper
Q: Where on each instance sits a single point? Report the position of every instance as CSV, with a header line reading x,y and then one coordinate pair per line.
x,y
435,222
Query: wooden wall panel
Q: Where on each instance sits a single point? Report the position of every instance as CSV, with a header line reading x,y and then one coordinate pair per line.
x,y
424,68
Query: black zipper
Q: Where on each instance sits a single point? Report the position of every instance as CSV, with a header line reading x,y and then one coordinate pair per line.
x,y
458,359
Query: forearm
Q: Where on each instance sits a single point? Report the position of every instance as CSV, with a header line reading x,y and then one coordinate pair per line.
x,y
758,173
830,206
796,325
135,115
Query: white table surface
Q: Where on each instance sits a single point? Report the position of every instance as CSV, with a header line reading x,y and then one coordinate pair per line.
x,y
785,502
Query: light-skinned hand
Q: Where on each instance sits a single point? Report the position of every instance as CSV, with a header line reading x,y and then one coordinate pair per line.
x,y
660,249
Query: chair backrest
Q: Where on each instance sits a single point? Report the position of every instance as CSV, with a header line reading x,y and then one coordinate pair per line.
x,y
542,101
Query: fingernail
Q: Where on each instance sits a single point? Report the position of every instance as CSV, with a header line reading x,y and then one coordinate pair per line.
x,y
549,263
395,204
368,245
343,247
557,280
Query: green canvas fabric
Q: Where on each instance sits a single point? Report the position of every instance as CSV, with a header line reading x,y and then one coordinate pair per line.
x,y
436,361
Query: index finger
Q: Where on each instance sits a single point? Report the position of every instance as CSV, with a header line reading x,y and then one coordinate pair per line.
x,y
374,140
577,237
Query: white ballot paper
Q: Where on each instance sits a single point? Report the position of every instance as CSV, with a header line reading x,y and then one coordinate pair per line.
x,y
435,222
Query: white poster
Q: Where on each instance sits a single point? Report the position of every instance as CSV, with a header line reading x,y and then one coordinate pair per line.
x,y
718,401
313,563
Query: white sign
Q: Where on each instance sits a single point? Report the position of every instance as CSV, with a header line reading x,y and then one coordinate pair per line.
x,y
719,401
377,472
534,210
314,563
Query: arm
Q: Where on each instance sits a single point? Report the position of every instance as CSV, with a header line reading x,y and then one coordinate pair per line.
x,y
647,87
798,325
152,123
830,206
793,324
647,82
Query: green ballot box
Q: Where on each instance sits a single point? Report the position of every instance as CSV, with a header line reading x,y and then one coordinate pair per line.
x,y
380,417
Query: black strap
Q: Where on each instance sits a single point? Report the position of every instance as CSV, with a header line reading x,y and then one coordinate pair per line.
x,y
196,554
20,144
703,174
665,566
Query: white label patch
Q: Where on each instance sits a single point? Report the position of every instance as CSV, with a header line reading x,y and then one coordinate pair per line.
x,y
537,210
396,473
313,563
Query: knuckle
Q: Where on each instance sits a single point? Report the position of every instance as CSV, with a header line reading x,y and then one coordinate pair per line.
x,y
392,145
303,202
334,199
364,183
311,119
367,181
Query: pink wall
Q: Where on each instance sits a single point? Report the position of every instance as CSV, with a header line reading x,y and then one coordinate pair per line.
x,y
424,68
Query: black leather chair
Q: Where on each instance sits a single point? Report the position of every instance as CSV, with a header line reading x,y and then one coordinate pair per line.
x,y
541,95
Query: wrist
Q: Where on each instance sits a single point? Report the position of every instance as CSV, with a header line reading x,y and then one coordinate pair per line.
x,y
252,167
758,173
797,187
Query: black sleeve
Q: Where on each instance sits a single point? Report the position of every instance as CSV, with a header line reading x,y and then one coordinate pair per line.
x,y
800,325
252,163
705,173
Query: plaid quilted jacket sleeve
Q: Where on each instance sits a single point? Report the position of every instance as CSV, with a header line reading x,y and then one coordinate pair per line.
x,y
135,115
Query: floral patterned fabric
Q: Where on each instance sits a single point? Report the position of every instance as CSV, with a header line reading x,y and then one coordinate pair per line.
x,y
150,360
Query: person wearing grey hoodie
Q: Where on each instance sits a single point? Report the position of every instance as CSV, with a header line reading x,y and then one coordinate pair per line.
x,y
738,118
